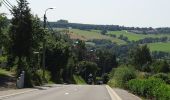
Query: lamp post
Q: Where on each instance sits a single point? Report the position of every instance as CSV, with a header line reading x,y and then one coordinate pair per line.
x,y
44,46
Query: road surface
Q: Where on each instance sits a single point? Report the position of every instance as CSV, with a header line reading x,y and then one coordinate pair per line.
x,y
66,92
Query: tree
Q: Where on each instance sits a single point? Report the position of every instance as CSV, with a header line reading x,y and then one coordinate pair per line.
x,y
21,40
160,67
85,68
21,30
140,57
80,50
106,61
38,33
57,56
3,25
103,32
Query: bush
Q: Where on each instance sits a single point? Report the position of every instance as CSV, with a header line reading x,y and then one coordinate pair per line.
x,y
122,75
37,78
78,79
162,76
160,67
105,78
162,92
150,88
143,75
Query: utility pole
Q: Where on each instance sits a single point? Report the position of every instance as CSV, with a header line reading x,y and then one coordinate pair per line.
x,y
44,41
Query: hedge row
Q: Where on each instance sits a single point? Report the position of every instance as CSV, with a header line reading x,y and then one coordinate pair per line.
x,y
150,88
121,76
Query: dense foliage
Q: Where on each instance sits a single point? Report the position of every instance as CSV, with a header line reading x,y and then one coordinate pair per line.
x,y
121,75
150,88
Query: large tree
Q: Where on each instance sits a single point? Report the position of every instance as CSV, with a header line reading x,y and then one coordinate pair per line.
x,y
26,36
106,61
141,57
21,30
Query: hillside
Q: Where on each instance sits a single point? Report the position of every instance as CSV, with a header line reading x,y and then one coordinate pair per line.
x,y
86,35
94,34
133,36
90,35
165,47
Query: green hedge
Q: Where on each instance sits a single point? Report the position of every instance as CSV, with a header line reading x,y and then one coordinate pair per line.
x,y
165,77
150,88
121,76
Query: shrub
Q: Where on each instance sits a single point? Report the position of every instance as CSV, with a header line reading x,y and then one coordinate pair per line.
x,y
162,76
78,79
37,78
105,78
143,75
160,67
151,88
162,92
122,75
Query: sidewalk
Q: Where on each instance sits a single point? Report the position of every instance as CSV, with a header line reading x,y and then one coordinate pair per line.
x,y
125,95
11,92
8,93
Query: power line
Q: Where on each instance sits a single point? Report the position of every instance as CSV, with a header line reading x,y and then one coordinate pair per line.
x,y
6,3
9,3
6,6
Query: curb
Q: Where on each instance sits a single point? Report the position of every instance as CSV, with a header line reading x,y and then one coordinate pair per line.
x,y
112,93
14,94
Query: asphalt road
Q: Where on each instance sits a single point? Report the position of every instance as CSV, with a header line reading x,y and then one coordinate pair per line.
x,y
66,92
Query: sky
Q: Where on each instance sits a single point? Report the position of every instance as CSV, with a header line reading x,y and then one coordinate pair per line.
x,y
132,13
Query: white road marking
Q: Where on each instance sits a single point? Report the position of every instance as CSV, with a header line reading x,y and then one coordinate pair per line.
x,y
66,93
112,93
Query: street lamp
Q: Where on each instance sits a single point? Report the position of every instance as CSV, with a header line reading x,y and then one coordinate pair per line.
x,y
44,47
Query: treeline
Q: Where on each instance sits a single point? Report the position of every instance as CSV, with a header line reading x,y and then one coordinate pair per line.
x,y
122,51
152,40
150,30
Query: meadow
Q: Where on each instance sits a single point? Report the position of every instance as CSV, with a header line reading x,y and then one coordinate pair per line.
x,y
95,34
165,47
134,37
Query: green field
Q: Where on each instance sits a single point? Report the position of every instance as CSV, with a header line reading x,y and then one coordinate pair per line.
x,y
165,47
94,34
134,36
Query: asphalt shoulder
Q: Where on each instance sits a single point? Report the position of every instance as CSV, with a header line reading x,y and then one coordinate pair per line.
x,y
125,95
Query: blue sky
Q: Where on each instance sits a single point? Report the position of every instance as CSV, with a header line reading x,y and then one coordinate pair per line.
x,y
141,13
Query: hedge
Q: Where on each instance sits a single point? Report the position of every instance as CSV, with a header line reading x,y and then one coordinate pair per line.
x,y
150,88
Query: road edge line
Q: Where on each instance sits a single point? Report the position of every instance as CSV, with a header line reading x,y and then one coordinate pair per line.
x,y
14,94
112,93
